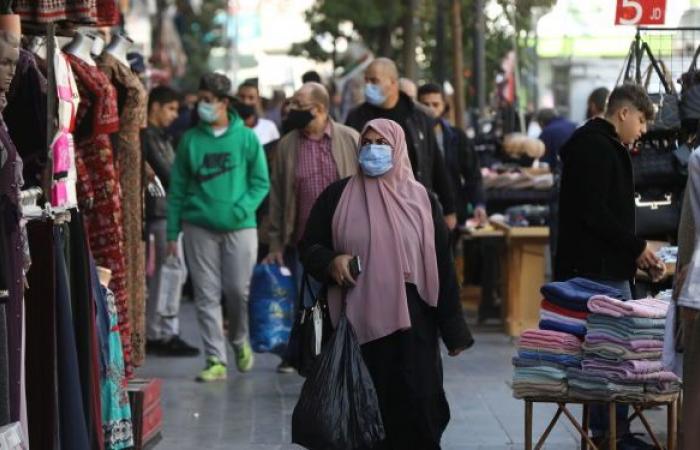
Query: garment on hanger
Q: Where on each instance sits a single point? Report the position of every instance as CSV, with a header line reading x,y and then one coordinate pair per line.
x,y
46,11
26,104
99,191
10,184
132,102
41,364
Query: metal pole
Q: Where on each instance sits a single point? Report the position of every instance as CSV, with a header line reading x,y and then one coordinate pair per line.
x,y
458,62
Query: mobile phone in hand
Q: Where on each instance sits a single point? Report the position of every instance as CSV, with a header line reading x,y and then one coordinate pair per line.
x,y
355,267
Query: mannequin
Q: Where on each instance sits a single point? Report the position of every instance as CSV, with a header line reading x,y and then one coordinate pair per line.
x,y
119,47
81,47
98,46
9,55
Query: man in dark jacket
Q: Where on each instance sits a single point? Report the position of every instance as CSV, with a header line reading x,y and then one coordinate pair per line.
x,y
556,130
384,100
461,159
162,330
596,210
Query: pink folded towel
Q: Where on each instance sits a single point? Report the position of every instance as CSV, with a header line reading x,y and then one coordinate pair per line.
x,y
646,307
550,339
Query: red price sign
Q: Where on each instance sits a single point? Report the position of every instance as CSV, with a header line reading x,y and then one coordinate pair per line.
x,y
640,12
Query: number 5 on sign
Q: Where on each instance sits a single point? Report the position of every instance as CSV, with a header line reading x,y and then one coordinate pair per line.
x,y
640,12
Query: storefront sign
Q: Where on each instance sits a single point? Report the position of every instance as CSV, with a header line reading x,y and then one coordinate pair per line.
x,y
640,12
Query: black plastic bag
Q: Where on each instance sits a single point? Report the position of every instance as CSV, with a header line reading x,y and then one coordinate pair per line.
x,y
338,408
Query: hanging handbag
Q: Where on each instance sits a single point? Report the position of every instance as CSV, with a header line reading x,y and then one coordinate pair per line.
x,y
666,104
658,213
312,328
690,91
655,165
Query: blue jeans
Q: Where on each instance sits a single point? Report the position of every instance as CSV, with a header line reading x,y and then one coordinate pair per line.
x,y
600,415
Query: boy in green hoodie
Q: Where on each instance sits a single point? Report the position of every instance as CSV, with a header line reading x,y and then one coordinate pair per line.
x,y
218,180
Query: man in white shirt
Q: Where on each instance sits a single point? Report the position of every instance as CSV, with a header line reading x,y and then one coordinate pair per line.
x,y
264,129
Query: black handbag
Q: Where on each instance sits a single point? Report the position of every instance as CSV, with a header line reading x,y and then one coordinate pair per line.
x,y
666,104
690,91
657,213
312,328
654,164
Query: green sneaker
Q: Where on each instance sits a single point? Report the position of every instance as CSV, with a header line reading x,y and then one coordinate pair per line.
x,y
215,371
244,357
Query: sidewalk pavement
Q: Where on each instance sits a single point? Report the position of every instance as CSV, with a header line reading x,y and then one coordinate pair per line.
x,y
253,411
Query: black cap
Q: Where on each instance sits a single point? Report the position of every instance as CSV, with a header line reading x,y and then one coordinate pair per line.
x,y
216,83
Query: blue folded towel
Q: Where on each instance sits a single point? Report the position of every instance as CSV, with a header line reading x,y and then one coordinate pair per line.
x,y
553,325
574,294
564,360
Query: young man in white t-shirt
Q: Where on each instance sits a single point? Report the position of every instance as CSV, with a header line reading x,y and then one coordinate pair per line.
x,y
264,129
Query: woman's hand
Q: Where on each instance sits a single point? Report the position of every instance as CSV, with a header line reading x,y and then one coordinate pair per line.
x,y
455,352
339,270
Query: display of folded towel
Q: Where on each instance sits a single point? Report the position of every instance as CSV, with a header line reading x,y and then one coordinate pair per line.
x,y
539,381
629,328
575,293
553,325
525,362
564,360
615,352
551,307
549,339
636,345
633,370
645,307
591,386
548,315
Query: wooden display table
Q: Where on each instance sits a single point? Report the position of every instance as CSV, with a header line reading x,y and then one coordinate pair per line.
x,y
583,427
525,274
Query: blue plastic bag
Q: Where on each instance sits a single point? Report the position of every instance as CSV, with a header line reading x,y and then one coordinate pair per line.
x,y
271,304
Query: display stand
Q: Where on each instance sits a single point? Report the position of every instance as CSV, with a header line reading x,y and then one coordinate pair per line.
x,y
583,427
526,249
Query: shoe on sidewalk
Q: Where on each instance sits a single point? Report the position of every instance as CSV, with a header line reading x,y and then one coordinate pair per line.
x,y
215,371
154,346
176,347
285,368
244,357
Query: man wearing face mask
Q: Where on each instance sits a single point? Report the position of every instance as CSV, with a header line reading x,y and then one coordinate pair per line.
x,y
384,100
316,153
217,183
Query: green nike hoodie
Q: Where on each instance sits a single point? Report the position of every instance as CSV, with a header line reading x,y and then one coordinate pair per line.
x,y
217,182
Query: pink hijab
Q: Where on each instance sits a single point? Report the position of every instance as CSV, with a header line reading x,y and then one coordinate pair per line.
x,y
387,221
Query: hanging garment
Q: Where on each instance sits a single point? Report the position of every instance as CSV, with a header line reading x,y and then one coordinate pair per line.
x,y
10,185
116,410
84,321
107,13
41,366
133,102
99,191
46,11
73,430
26,104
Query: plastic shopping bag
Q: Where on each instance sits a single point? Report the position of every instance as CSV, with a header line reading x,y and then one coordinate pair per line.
x,y
173,275
272,292
338,408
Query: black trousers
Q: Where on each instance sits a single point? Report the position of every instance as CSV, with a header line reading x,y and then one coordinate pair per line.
x,y
407,373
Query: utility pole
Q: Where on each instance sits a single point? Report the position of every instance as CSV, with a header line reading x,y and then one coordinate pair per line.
x,y
440,44
479,72
458,62
409,39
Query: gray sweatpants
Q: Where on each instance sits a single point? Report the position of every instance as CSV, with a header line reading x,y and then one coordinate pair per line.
x,y
221,263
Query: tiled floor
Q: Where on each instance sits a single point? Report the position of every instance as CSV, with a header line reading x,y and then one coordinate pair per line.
x,y
253,411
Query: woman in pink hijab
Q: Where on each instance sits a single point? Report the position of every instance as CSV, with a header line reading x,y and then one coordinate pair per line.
x,y
406,294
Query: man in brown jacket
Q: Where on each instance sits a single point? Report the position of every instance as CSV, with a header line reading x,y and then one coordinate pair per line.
x,y
317,152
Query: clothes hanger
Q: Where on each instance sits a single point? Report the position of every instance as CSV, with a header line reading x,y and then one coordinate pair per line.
x,y
118,48
80,47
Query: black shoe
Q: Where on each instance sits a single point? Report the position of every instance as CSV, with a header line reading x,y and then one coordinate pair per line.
x,y
178,348
154,346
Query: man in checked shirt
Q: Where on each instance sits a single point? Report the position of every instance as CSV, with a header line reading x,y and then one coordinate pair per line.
x,y
317,152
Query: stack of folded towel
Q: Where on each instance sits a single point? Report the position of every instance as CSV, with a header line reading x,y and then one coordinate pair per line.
x,y
565,304
622,351
541,363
